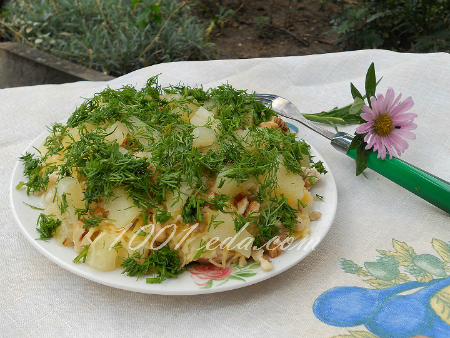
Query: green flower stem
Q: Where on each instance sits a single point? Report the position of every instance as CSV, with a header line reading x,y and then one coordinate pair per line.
x,y
324,119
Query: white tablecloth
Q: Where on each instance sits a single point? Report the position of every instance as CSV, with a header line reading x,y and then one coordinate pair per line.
x,y
40,299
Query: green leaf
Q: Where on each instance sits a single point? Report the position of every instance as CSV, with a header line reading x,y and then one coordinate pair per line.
x,y
357,139
155,8
371,83
209,285
442,248
245,274
440,303
355,92
356,106
236,278
361,159
325,119
252,266
348,266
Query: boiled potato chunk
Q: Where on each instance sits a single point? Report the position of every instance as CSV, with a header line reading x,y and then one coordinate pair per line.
x,y
71,135
99,255
74,136
308,200
211,106
290,185
171,97
203,137
232,187
143,132
65,230
202,117
116,132
176,200
185,108
246,136
229,186
74,196
121,208
225,233
305,162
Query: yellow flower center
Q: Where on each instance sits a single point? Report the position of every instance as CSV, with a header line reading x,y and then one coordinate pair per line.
x,y
383,124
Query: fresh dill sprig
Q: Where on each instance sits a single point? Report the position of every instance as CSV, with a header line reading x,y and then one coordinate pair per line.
x,y
37,173
162,216
191,211
277,213
47,226
163,263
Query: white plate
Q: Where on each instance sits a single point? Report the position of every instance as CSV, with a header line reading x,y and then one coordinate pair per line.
x,y
197,280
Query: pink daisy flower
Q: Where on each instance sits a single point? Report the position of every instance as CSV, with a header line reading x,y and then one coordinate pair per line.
x,y
388,124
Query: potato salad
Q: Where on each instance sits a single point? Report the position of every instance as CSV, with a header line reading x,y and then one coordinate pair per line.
x,y
152,180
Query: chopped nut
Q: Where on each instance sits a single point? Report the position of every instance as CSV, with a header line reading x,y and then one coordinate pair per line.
x,y
308,175
159,237
242,205
263,261
280,123
275,249
67,242
308,184
101,212
269,124
242,261
253,208
315,215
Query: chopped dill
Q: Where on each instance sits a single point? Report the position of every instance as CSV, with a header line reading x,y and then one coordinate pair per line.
x,y
47,226
32,206
92,222
320,167
63,205
36,172
192,210
162,216
117,246
213,222
319,197
201,250
83,254
163,263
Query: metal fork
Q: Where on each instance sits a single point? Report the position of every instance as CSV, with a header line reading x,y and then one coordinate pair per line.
x,y
340,140
421,183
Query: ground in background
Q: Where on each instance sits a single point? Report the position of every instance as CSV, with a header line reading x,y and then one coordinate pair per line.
x,y
267,28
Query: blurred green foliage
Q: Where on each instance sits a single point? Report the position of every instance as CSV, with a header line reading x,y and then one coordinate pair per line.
x,y
407,25
111,36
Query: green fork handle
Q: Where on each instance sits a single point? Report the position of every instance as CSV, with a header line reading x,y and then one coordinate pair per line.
x,y
421,183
